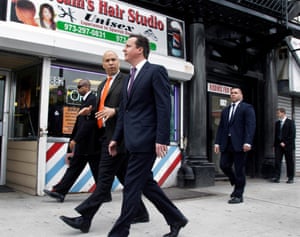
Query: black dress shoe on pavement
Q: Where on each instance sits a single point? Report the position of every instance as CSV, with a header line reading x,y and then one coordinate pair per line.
x,y
77,223
235,200
290,181
58,196
175,228
275,180
140,219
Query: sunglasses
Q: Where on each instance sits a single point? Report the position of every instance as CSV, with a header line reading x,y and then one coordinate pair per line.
x,y
79,86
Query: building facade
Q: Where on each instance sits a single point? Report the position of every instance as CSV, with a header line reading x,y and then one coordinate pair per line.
x,y
207,46
42,58
243,43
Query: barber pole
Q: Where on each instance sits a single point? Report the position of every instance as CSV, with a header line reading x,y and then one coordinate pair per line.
x,y
164,170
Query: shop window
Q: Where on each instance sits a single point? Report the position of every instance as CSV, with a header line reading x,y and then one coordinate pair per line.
x,y
64,99
26,104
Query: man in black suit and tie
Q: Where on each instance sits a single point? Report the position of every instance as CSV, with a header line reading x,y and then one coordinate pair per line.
x,y
144,122
234,139
108,108
84,144
284,144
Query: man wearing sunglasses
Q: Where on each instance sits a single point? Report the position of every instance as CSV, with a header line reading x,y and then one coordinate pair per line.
x,y
83,143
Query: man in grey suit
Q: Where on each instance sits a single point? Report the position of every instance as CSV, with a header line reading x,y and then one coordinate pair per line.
x,y
284,144
108,166
144,122
234,139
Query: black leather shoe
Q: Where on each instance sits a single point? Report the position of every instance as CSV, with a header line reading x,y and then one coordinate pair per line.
x,y
290,181
77,223
275,180
140,219
175,228
108,198
235,200
58,196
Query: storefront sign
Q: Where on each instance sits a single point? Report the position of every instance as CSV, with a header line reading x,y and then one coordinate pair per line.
x,y
220,89
110,20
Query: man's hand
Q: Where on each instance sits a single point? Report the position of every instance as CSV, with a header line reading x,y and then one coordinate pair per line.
x,y
85,110
217,149
106,113
68,157
246,147
161,150
112,148
72,145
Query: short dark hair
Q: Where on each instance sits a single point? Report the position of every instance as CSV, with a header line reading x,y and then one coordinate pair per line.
x,y
142,41
281,110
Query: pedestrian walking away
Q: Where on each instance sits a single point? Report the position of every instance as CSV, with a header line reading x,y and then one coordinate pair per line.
x,y
144,122
84,144
284,144
234,139
109,96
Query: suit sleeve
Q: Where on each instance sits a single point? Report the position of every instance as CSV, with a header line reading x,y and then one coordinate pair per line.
x,y
118,133
289,139
220,129
161,87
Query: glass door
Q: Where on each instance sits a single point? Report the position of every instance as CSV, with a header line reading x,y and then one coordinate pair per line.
x,y
217,102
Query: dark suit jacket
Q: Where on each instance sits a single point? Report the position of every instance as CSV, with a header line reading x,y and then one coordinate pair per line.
x,y
112,100
145,113
241,127
288,134
85,130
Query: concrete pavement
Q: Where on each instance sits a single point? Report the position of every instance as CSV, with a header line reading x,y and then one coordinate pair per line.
x,y
269,210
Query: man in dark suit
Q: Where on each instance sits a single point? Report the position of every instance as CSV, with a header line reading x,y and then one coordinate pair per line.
x,y
284,144
84,143
144,122
108,166
234,139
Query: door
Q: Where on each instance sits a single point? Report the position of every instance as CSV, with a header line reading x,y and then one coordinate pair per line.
x,y
217,102
3,124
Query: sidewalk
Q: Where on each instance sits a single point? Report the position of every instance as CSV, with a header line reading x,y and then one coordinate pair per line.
x,y
269,210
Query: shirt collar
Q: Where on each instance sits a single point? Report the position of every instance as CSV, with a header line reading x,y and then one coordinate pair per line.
x,y
139,66
86,95
236,103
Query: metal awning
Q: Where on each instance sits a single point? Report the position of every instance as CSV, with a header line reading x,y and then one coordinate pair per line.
x,y
254,16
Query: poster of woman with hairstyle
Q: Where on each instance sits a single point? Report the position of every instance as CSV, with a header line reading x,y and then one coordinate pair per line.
x,y
47,15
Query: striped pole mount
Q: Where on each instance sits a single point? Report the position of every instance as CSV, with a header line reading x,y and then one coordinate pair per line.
x,y
164,170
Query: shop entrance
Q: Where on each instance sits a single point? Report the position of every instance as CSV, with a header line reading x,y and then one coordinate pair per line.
x,y
218,99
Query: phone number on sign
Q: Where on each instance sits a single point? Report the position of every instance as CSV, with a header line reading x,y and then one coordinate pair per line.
x,y
91,32
84,30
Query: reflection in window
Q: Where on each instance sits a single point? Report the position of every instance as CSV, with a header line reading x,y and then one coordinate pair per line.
x,y
27,103
64,99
